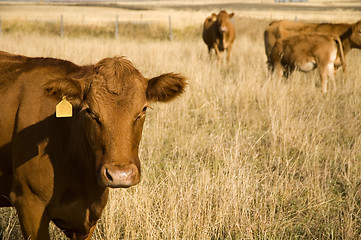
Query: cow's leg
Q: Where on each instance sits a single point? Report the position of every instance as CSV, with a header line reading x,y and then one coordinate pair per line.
x,y
278,69
217,51
229,51
90,232
32,217
323,74
331,75
210,51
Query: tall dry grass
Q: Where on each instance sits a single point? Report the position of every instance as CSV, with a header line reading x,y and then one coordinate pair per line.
x,y
239,156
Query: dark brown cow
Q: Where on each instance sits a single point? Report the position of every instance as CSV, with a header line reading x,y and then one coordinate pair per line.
x,y
350,34
218,33
60,169
305,52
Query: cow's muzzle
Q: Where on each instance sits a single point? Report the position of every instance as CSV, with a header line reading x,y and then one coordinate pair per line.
x,y
223,29
116,176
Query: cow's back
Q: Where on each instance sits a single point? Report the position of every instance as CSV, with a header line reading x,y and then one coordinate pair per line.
x,y
285,28
286,25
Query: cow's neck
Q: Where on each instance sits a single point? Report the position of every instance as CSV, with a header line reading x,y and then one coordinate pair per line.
x,y
345,39
81,153
85,158
225,39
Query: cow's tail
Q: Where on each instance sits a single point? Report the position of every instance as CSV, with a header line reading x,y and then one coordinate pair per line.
x,y
340,50
267,46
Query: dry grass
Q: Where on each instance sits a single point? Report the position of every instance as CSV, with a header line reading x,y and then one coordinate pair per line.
x,y
239,156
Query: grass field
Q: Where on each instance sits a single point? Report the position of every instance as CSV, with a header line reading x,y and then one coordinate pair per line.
x,y
239,155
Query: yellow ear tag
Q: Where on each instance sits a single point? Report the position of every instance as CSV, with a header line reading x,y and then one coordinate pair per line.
x,y
64,109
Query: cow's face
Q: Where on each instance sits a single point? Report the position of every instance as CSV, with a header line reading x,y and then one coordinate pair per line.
x,y
223,20
113,109
356,35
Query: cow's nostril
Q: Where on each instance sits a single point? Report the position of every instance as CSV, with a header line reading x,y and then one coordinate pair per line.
x,y
108,175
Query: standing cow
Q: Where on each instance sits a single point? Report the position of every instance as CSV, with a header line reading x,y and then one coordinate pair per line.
x,y
305,52
350,34
218,33
60,168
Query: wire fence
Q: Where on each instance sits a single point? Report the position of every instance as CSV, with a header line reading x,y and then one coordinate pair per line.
x,y
62,29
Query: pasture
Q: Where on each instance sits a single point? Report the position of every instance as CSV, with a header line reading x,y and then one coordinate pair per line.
x,y
239,155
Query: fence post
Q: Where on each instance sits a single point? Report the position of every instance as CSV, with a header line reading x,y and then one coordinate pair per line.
x,y
61,26
170,29
116,27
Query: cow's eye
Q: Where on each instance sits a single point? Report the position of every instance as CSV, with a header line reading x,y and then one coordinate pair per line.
x,y
93,115
139,116
142,113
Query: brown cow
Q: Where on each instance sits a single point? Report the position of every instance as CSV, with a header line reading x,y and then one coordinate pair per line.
x,y
60,169
218,33
350,34
305,52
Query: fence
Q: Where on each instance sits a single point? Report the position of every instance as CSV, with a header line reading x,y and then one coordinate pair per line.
x,y
290,1
62,29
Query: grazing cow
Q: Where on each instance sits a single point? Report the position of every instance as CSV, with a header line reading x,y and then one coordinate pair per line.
x,y
218,33
60,168
350,34
305,52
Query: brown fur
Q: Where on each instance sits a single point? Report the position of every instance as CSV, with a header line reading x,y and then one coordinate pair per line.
x,y
60,169
218,33
348,33
305,52
113,69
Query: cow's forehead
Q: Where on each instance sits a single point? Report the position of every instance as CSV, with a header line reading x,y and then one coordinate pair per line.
x,y
117,84
223,14
127,91
119,75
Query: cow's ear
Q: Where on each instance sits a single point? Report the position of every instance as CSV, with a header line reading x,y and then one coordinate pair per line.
x,y
214,17
231,15
357,27
165,87
67,87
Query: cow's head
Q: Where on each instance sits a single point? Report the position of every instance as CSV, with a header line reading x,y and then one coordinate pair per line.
x,y
356,35
210,20
112,105
223,19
